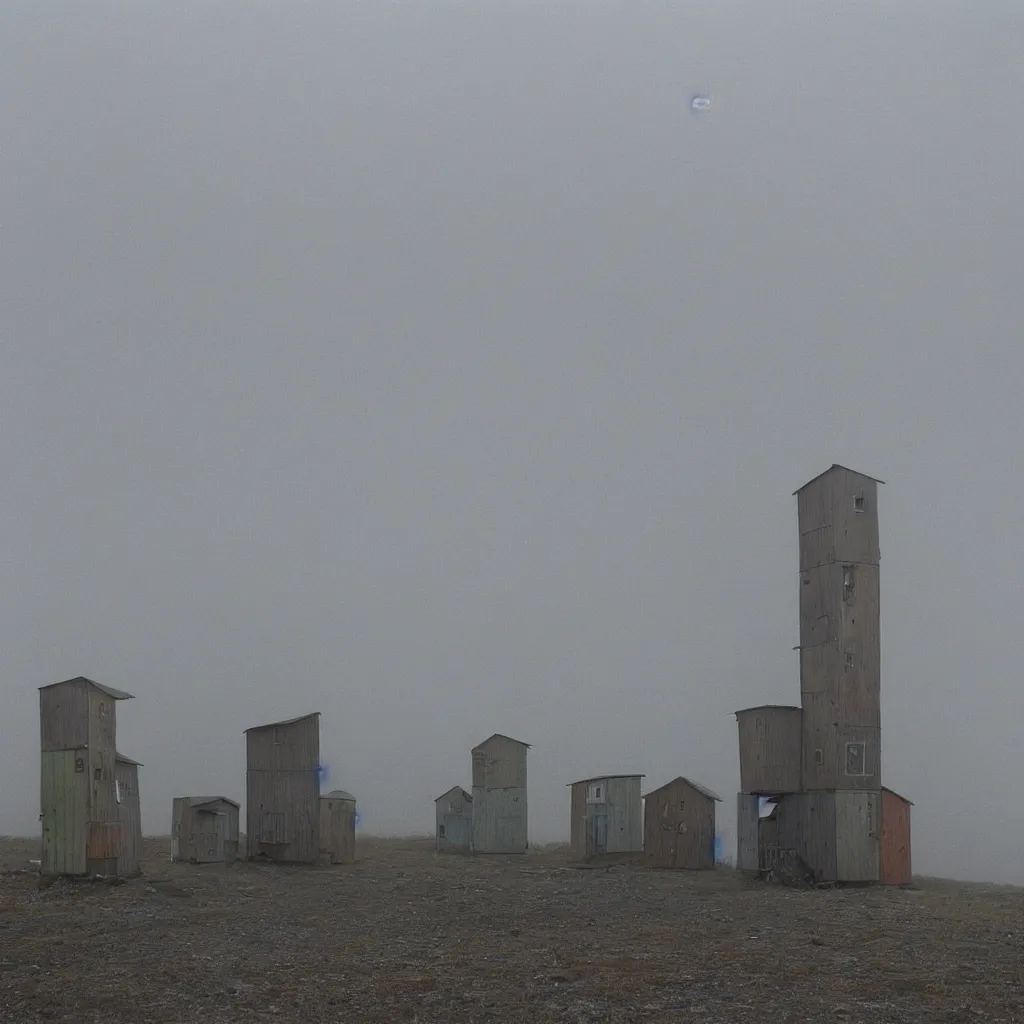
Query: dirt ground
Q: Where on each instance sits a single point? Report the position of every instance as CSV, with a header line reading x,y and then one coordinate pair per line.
x,y
406,935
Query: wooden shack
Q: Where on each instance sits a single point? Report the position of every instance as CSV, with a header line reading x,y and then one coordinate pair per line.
x,y
499,795
606,816
679,825
454,821
338,826
770,749
81,824
896,865
204,830
129,815
283,790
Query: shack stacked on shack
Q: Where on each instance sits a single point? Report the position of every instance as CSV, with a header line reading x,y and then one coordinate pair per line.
x,y
811,776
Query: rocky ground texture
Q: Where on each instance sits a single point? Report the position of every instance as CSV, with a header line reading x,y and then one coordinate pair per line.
x,y
406,935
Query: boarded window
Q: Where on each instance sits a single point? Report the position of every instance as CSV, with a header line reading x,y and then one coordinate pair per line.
x,y
855,759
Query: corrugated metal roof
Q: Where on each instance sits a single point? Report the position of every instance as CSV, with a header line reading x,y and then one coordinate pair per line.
x,y
695,785
108,690
465,795
199,801
501,736
337,794
288,721
834,466
127,760
598,778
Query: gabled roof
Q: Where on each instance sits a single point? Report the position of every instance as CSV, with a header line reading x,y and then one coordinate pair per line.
x,y
465,795
200,801
832,468
288,721
769,707
886,789
600,778
703,790
108,690
122,759
499,736
337,794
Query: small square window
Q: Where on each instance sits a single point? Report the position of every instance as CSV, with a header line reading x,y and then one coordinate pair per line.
x,y
855,759
858,503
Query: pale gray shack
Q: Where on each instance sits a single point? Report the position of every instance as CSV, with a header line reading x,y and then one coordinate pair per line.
x,y
82,822
499,795
606,816
338,826
454,813
204,830
282,783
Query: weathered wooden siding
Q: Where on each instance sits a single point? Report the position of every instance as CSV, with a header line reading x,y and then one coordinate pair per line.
x,y
896,866
858,827
831,527
289,746
499,796
338,829
499,763
196,837
840,669
620,807
283,815
499,820
65,812
747,807
129,817
578,820
770,749
807,824
679,827
283,790
179,828
64,716
454,821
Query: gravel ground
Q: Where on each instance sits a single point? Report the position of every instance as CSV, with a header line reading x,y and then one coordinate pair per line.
x,y
405,935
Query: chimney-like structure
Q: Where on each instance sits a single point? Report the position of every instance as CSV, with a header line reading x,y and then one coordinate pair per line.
x,y
840,657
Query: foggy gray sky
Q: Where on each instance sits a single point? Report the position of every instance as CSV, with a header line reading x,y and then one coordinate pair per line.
x,y
433,366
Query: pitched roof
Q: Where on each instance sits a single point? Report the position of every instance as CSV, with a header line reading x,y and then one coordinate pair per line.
x,y
337,794
199,801
127,760
886,789
835,466
499,736
598,778
288,721
466,796
693,785
108,690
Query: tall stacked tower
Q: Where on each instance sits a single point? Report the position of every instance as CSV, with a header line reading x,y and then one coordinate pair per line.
x,y
840,655
811,776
